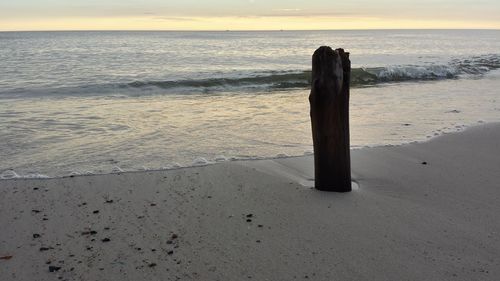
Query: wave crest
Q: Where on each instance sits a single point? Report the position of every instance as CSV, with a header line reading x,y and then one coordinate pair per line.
x,y
359,76
273,80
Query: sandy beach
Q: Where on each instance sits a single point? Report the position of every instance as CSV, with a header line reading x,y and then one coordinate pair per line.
x,y
427,211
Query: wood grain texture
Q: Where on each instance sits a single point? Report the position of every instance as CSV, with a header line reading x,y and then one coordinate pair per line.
x,y
329,101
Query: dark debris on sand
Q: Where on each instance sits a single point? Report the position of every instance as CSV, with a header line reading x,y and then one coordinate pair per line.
x,y
54,268
90,232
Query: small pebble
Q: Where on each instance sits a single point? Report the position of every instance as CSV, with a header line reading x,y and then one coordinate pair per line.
x,y
36,235
106,240
53,268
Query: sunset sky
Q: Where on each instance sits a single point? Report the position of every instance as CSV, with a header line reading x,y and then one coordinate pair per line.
x,y
246,14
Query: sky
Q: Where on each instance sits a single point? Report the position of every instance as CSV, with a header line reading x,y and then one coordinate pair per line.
x,y
246,14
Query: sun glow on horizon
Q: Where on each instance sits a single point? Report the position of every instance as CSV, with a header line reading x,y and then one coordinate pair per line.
x,y
235,23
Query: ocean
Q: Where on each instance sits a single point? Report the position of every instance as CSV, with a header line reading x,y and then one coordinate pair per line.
x,y
76,103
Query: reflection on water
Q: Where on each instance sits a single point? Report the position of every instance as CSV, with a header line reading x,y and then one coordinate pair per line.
x,y
57,136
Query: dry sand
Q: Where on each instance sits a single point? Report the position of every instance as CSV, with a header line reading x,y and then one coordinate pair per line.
x,y
260,220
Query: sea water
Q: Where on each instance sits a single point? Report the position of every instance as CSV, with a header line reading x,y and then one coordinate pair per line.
x,y
103,102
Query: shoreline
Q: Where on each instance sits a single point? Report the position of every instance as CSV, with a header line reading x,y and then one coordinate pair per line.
x,y
425,211
39,176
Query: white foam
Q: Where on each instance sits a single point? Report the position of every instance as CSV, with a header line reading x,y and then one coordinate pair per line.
x,y
35,176
176,165
282,155
220,158
9,174
417,72
200,161
117,169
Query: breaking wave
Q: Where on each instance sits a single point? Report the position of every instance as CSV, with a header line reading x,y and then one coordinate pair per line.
x,y
359,76
276,80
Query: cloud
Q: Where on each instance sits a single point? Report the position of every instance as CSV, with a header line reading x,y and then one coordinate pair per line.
x,y
288,10
178,19
306,13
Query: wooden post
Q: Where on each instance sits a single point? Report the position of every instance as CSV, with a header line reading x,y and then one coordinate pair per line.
x,y
329,100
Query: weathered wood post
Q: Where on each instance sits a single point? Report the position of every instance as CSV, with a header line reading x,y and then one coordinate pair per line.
x,y
329,101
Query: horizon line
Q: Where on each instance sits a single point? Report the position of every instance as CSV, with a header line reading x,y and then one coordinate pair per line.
x,y
237,30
